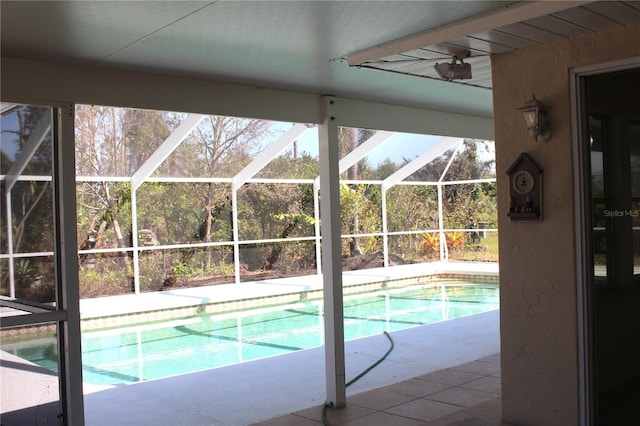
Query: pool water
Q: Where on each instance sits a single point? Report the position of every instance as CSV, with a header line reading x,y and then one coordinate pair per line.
x,y
153,351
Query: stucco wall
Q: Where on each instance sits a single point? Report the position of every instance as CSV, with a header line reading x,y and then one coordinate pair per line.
x,y
537,260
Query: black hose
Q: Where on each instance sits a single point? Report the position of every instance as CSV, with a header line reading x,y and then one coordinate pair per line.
x,y
325,420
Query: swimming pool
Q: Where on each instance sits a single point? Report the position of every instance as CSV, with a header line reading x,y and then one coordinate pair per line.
x,y
157,350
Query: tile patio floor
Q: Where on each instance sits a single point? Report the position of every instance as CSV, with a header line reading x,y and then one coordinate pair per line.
x,y
464,395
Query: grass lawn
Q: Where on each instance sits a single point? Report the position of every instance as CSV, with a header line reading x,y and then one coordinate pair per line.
x,y
485,251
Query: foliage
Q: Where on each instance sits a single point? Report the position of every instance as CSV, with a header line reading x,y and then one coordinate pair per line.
x,y
382,171
370,244
108,278
186,267
294,258
486,250
412,208
455,240
467,204
362,201
267,211
467,164
430,243
291,166
22,268
464,205
172,212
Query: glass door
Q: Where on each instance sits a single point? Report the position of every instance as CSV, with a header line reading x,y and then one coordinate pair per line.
x,y
613,117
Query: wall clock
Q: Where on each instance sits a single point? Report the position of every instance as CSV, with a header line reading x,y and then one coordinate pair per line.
x,y
523,182
525,189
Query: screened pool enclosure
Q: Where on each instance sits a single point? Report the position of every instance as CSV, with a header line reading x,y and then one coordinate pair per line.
x,y
102,201
168,200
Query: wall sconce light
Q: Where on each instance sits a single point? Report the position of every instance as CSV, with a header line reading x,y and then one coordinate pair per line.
x,y
536,118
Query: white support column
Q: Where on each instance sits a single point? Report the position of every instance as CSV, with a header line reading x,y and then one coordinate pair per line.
x,y
66,260
331,255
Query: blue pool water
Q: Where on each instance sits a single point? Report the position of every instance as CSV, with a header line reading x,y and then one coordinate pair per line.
x,y
152,351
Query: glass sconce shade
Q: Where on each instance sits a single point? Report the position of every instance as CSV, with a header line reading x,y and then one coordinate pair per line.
x,y
535,115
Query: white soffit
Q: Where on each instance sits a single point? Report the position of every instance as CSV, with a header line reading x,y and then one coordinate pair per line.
x,y
509,14
511,27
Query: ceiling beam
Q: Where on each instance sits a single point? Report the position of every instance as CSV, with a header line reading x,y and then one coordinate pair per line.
x,y
30,82
521,11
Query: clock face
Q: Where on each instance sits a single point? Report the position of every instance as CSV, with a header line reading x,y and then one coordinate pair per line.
x,y
523,182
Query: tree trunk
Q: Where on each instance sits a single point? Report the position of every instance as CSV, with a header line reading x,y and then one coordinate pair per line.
x,y
113,210
274,253
352,174
208,217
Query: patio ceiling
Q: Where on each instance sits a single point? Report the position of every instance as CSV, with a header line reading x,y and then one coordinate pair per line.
x,y
316,47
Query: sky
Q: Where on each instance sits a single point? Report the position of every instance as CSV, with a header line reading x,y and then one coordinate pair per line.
x,y
397,148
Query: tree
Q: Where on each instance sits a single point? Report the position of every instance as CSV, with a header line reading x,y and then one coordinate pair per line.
x,y
102,149
218,147
349,139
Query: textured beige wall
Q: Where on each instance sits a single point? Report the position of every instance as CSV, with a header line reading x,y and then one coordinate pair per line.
x,y
537,260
